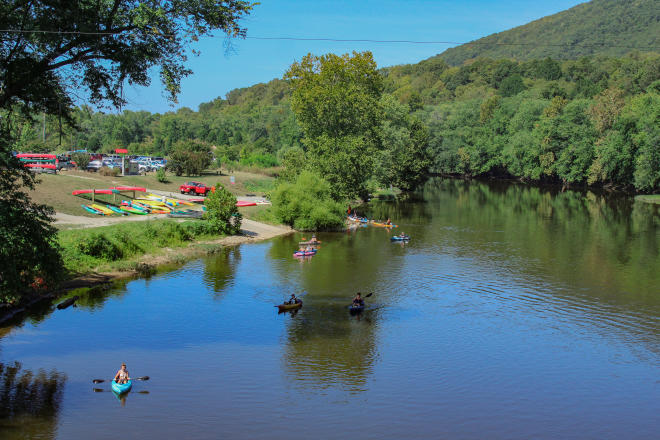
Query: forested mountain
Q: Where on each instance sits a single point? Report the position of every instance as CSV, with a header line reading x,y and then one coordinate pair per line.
x,y
604,27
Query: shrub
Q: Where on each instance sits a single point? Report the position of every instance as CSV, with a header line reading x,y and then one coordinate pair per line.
x,y
161,176
98,246
307,205
81,160
221,212
126,243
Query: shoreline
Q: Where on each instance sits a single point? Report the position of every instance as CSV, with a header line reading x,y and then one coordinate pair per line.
x,y
251,232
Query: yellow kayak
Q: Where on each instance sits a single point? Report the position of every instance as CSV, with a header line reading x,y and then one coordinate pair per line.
x,y
103,209
383,225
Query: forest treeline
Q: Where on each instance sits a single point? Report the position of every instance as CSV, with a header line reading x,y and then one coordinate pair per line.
x,y
595,120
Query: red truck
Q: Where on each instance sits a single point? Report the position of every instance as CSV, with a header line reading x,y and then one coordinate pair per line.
x,y
195,188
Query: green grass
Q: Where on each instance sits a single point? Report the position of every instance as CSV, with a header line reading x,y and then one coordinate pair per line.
x,y
119,247
653,198
260,213
259,185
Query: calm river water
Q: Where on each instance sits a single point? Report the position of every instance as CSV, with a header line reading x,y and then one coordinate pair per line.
x,y
514,313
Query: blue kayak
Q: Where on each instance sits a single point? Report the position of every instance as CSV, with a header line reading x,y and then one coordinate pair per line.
x,y
121,388
400,238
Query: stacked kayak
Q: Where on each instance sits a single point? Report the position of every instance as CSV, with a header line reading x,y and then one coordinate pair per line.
x,y
121,388
132,210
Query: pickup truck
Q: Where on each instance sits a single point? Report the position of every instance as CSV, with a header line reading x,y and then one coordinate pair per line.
x,y
193,188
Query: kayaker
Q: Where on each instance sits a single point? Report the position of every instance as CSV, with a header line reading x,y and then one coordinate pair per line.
x,y
358,301
388,222
122,375
294,299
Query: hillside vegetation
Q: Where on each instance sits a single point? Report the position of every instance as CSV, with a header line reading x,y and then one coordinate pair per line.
x,y
603,27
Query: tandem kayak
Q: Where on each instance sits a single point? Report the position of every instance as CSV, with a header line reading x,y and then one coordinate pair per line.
x,y
284,307
121,388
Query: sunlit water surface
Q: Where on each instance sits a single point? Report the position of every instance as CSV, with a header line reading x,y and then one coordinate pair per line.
x,y
513,313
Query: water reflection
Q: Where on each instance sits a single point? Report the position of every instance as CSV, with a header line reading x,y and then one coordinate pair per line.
x,y
220,270
29,402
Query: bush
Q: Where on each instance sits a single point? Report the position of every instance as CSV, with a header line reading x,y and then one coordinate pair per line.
x,y
307,205
126,243
105,171
81,160
221,212
161,176
98,246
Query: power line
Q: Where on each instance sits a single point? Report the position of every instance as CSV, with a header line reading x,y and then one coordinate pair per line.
x,y
356,40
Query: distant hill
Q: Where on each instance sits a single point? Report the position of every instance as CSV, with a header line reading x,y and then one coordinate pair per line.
x,y
599,27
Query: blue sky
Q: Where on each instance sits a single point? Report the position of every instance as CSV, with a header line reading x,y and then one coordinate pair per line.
x,y
253,61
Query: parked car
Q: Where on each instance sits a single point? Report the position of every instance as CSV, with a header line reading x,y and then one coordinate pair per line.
x,y
193,188
94,165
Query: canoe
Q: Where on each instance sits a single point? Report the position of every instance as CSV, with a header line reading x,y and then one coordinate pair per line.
x,y
383,225
122,388
355,309
283,307
398,238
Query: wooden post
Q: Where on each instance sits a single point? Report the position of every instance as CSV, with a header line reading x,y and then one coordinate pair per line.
x,y
93,192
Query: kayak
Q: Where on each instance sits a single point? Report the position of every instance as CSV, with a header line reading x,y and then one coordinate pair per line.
x,y
92,210
383,225
304,254
283,307
103,209
117,210
355,309
242,203
309,242
132,210
121,388
399,238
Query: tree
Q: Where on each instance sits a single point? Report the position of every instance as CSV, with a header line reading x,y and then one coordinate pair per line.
x,y
307,205
336,102
51,50
189,157
221,211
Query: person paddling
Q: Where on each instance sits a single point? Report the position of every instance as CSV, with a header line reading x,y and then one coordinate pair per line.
x,y
358,301
122,375
294,299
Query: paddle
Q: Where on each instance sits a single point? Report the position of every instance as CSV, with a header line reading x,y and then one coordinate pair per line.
x,y
132,378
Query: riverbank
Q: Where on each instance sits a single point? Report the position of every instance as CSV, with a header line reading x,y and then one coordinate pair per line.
x,y
140,265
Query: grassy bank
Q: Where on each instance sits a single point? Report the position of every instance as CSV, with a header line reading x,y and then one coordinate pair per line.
x,y
121,247
653,198
55,190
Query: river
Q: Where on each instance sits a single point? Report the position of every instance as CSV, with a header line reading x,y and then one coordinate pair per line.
x,y
514,312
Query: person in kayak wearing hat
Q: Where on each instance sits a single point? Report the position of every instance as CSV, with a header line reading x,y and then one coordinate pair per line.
x,y
122,375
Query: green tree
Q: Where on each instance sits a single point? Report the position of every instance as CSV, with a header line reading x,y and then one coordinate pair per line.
x,y
50,50
221,211
307,204
336,102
